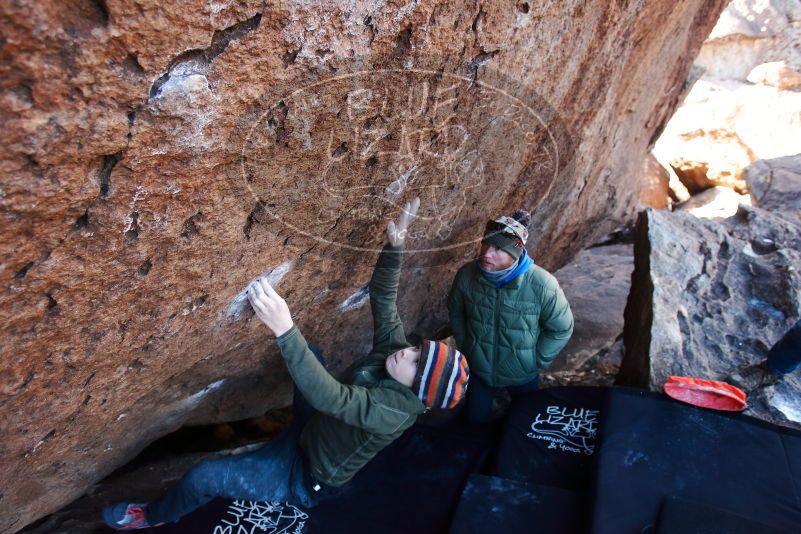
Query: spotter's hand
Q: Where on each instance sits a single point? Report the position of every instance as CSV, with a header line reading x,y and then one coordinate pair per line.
x,y
396,232
269,306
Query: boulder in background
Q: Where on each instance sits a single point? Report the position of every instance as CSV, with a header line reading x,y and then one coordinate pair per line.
x,y
775,185
776,74
708,297
596,285
715,203
656,192
745,105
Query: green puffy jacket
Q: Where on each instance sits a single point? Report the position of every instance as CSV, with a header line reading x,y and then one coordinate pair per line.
x,y
509,333
366,411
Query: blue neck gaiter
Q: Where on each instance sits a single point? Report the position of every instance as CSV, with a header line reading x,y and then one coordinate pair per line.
x,y
504,276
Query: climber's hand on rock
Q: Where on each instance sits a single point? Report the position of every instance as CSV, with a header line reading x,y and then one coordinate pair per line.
x,y
396,232
269,306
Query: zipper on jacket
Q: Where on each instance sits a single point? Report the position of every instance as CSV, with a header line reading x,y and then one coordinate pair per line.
x,y
495,337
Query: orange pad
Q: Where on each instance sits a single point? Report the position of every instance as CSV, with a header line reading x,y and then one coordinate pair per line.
x,y
706,393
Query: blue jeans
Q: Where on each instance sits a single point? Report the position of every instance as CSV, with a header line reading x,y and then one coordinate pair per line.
x,y
480,396
275,472
785,356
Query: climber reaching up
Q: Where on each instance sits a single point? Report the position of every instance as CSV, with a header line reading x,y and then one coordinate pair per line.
x,y
337,426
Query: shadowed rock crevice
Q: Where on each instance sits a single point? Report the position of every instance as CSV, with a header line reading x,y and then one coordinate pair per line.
x,y
403,42
132,231
368,23
191,226
20,274
82,221
290,56
199,59
106,166
256,216
132,67
102,10
144,269
638,314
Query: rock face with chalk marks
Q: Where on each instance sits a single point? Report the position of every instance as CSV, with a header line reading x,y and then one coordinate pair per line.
x,y
157,157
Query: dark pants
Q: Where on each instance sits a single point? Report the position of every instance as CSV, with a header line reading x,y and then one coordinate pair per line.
x,y
275,472
480,396
785,356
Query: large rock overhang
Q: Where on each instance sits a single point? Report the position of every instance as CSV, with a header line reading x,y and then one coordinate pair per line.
x,y
129,228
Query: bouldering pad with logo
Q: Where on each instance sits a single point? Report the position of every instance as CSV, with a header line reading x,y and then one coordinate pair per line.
x,y
550,437
411,486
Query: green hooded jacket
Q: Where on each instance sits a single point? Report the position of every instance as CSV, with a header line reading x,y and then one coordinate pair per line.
x,y
364,413
509,333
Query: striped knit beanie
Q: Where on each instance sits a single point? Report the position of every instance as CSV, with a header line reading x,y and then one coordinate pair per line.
x,y
442,375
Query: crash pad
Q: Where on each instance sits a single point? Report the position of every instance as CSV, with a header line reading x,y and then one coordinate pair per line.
x,y
652,447
683,516
499,505
550,437
411,486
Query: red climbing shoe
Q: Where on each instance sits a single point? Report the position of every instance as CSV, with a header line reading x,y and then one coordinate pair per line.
x,y
126,516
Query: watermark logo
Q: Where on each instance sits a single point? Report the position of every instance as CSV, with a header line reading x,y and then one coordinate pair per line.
x,y
333,157
261,516
566,429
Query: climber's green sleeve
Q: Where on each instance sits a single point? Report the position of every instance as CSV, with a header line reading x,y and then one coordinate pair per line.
x,y
381,410
388,334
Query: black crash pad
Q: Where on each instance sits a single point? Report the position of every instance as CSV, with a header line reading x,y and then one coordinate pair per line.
x,y
550,437
653,447
411,486
498,505
682,516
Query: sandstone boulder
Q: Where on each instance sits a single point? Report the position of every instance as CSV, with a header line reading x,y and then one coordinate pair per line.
x,y
709,158
750,33
157,156
739,111
656,193
775,185
776,74
677,191
596,284
715,203
708,297
723,126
